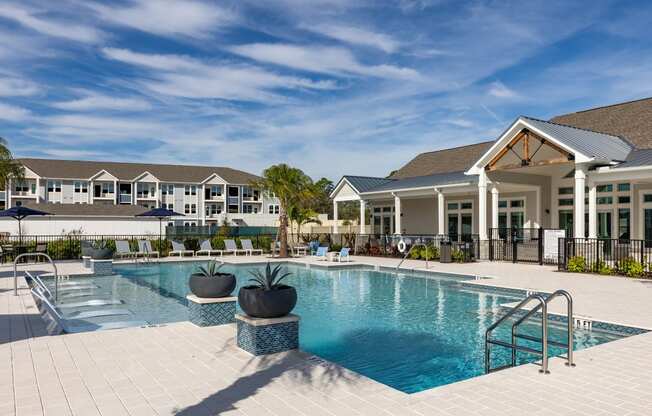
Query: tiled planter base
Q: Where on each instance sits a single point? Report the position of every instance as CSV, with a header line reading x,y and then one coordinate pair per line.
x,y
101,267
86,261
211,311
267,336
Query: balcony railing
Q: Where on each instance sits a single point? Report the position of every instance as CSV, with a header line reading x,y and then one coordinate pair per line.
x,y
233,200
125,198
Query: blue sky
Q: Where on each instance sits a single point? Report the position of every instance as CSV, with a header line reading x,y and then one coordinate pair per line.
x,y
330,86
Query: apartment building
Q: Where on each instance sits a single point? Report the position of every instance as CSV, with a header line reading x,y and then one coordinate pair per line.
x,y
205,195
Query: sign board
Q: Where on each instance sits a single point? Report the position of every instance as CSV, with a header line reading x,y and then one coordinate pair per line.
x,y
551,243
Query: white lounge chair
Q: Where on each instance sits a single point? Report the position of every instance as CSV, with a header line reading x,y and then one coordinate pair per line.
x,y
248,247
179,249
123,250
75,324
321,253
343,255
145,248
231,247
206,248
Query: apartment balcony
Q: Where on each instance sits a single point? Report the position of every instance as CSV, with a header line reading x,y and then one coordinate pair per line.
x,y
252,199
125,199
22,193
146,196
233,200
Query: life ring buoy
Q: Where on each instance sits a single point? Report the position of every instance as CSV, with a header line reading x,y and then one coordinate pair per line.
x,y
401,246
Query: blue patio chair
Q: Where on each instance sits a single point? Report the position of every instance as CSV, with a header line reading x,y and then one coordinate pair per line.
x,y
322,253
343,254
313,246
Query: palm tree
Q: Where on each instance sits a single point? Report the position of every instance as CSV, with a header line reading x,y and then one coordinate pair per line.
x,y
302,216
292,187
9,167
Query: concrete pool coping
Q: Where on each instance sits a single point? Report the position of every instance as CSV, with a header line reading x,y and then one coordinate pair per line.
x,y
178,369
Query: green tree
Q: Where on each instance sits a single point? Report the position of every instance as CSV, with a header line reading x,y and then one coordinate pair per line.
x,y
302,216
321,202
292,187
9,167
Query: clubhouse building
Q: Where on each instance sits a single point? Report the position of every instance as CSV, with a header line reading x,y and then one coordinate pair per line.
x,y
588,172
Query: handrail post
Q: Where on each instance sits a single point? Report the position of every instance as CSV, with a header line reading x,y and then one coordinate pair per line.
x,y
544,339
54,266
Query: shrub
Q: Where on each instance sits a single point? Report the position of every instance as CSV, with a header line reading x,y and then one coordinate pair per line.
x,y
603,268
630,267
217,242
457,256
64,249
263,242
576,264
336,247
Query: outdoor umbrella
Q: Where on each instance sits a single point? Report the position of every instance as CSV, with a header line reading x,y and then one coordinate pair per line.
x,y
161,214
20,212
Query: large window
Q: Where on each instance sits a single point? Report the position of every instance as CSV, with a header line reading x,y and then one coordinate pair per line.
x,y
460,220
81,187
624,224
21,187
273,209
54,186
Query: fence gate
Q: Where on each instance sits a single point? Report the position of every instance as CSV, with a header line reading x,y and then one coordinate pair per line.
x,y
525,245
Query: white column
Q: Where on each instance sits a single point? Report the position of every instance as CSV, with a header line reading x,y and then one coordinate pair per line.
x,y
593,210
482,206
397,215
334,217
38,190
158,194
116,193
539,206
441,224
133,193
8,192
363,210
91,192
494,207
578,220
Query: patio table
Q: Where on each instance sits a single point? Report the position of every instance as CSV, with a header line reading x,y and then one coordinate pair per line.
x,y
301,250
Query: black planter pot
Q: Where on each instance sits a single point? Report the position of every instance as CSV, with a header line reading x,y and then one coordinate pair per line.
x,y
260,303
101,253
212,287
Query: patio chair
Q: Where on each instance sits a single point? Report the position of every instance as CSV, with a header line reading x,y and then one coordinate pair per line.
x,y
145,249
123,250
343,254
231,247
321,253
248,247
36,283
74,323
313,246
179,249
206,248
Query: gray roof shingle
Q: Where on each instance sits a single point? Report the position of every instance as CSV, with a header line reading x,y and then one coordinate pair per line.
x,y
88,210
81,169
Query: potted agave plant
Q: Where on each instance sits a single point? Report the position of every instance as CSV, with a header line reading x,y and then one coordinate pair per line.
x,y
209,282
100,250
267,297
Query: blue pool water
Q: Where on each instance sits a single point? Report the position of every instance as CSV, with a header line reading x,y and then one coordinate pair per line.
x,y
410,332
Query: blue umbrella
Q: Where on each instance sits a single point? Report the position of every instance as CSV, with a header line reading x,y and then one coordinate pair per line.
x,y
20,212
161,214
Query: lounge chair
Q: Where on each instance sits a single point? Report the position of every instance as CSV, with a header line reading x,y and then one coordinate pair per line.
x,y
248,247
343,254
145,248
321,253
206,248
179,249
123,250
313,246
231,247
36,283
73,322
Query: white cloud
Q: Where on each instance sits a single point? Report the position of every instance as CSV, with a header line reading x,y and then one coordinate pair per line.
x,y
12,113
49,27
183,76
17,87
320,59
93,101
499,90
191,18
356,36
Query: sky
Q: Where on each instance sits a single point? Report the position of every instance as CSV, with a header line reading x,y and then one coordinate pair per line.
x,y
330,86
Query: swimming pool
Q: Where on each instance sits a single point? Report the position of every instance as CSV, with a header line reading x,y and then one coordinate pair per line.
x,y
411,332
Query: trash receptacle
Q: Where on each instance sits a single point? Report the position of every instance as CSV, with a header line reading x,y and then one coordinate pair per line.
x,y
445,250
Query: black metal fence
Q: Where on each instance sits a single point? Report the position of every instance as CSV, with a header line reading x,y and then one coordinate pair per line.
x,y
527,245
606,256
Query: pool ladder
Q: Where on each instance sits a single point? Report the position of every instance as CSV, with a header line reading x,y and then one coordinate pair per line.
x,y
542,306
410,250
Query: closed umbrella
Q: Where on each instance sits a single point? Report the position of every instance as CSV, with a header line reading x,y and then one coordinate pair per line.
x,y
161,214
20,212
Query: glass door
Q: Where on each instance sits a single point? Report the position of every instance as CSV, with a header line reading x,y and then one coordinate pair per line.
x,y
467,227
604,224
566,221
453,225
623,224
647,226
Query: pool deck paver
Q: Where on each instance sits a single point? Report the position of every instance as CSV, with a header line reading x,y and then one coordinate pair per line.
x,y
187,370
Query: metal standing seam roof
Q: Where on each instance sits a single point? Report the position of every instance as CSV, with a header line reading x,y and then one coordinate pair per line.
x,y
637,158
365,183
437,179
600,146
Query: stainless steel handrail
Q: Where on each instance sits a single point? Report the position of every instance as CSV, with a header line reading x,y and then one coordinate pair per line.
x,y
513,346
410,250
569,318
54,266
